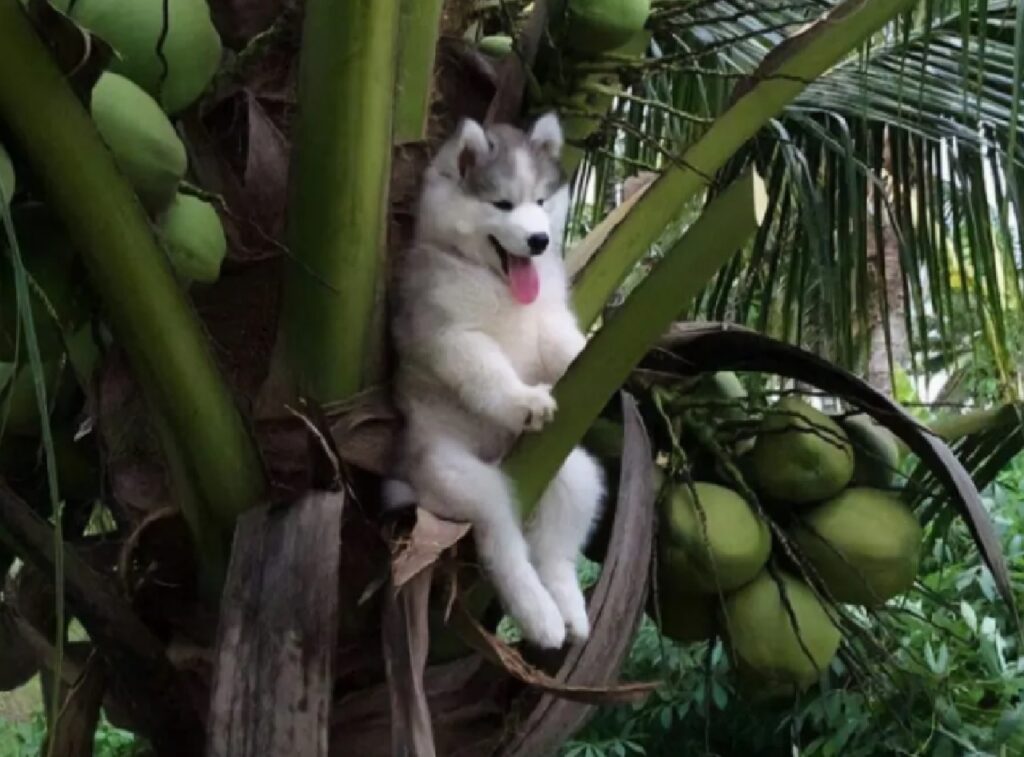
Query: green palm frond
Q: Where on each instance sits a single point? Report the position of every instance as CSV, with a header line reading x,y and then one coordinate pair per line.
x,y
916,140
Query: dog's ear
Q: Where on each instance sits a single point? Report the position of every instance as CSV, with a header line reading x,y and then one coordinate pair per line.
x,y
546,135
466,149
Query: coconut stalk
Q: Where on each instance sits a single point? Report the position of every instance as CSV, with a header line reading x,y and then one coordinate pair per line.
x,y
147,310
728,221
954,426
783,74
420,23
338,200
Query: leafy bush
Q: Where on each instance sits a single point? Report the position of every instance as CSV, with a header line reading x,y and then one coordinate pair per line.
x,y
25,739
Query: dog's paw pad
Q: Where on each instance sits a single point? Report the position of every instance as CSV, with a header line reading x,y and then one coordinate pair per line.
x,y
543,625
568,597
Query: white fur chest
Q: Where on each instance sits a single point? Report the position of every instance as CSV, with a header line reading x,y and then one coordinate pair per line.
x,y
480,300
517,330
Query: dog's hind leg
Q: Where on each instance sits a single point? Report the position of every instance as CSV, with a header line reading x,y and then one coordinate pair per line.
x,y
563,520
455,483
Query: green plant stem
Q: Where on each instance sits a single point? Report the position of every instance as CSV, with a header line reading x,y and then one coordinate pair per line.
x,y
785,72
416,50
338,199
149,313
955,426
605,364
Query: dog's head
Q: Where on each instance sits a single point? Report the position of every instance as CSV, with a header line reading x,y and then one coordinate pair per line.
x,y
499,196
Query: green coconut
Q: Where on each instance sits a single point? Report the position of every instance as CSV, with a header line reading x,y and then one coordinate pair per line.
x,y
8,181
497,45
801,455
592,27
724,389
737,545
57,285
586,109
585,100
865,545
142,140
193,238
687,618
727,385
192,47
763,641
876,452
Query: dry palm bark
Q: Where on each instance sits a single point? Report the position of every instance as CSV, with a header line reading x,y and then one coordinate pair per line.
x,y
271,694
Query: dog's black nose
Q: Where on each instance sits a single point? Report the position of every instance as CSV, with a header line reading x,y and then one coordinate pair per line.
x,y
537,243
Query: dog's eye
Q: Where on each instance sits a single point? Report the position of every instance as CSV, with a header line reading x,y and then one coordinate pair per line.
x,y
502,205
541,202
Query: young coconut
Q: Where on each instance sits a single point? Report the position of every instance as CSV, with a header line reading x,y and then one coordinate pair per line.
x,y
497,45
876,452
763,641
801,455
135,29
592,27
144,144
736,547
865,545
193,238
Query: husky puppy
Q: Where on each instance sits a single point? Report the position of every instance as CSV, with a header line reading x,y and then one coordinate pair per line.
x,y
483,329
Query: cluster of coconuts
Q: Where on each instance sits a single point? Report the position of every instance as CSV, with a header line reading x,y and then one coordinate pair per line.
x,y
828,481
584,31
132,101
153,76
131,105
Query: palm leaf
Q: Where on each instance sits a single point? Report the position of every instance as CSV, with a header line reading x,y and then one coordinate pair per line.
x,y
925,120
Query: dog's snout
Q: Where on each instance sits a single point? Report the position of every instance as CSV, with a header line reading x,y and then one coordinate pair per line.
x,y
537,243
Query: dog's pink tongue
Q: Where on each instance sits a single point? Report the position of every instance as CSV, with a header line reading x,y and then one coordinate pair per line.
x,y
523,279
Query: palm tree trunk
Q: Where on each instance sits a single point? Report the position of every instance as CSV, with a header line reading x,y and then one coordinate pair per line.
x,y
889,345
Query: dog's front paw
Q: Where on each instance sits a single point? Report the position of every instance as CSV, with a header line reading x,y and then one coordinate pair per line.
x,y
538,407
568,597
578,623
542,623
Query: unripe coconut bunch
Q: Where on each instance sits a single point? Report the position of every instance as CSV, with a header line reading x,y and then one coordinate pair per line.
x,y
580,32
152,158
191,46
193,238
592,27
720,572
143,141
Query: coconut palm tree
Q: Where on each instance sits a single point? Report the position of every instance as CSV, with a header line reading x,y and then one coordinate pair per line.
x,y
884,233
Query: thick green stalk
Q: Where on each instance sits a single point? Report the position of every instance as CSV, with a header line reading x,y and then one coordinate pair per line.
x,y
149,313
339,189
605,364
413,86
785,72
955,426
